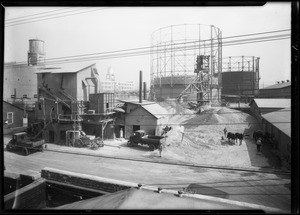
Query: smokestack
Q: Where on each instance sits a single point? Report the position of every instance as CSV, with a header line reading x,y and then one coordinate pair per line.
x,y
145,90
141,86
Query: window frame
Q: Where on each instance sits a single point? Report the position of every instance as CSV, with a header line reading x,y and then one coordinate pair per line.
x,y
8,118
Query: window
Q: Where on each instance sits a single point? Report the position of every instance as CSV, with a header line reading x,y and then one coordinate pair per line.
x,y
10,117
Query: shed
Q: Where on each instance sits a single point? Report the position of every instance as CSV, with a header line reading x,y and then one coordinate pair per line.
x,y
278,125
261,106
148,116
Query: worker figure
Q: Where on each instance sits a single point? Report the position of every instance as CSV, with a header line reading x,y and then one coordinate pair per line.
x,y
160,149
121,133
225,131
258,144
182,131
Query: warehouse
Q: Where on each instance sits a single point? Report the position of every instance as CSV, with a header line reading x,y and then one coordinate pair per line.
x,y
260,106
279,90
278,125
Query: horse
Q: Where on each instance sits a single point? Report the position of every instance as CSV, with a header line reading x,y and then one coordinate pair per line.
x,y
231,136
239,136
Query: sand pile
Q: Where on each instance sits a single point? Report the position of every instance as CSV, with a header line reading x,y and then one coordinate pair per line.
x,y
202,141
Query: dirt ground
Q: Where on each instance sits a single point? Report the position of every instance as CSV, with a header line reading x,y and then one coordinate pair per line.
x,y
200,143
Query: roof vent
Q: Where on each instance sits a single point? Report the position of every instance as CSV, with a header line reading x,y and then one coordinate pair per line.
x,y
287,81
282,81
278,82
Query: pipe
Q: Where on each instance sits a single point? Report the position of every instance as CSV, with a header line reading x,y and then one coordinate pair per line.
x,y
141,86
145,90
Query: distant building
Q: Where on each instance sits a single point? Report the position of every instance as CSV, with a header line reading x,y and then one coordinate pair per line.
x,y
111,85
279,90
278,125
261,106
148,116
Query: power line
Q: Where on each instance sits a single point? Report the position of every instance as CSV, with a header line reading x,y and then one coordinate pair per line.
x,y
21,17
226,168
146,52
56,17
42,16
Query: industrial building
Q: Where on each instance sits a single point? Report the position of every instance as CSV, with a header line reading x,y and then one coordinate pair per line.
x,y
240,78
13,116
278,125
20,80
279,90
186,63
145,115
69,99
259,106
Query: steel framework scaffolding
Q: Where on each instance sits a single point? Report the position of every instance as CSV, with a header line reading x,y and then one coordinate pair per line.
x,y
240,64
175,50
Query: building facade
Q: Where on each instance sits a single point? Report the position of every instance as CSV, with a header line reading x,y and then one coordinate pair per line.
x,y
279,90
260,106
278,125
148,116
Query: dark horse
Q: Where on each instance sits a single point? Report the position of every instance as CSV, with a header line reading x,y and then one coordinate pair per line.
x,y
231,136
239,136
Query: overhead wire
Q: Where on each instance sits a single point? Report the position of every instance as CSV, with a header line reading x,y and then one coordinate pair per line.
x,y
148,50
9,25
43,13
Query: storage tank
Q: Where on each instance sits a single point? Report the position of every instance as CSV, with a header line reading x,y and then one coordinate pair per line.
x,y
36,54
240,76
173,58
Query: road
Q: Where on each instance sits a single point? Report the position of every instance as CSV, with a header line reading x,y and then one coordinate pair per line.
x,y
272,190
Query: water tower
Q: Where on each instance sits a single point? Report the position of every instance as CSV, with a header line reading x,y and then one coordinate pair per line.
x,y
36,54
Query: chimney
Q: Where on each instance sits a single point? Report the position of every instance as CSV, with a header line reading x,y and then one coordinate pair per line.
x,y
141,86
145,90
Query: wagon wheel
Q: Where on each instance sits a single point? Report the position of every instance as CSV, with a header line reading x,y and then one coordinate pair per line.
x,y
151,146
25,151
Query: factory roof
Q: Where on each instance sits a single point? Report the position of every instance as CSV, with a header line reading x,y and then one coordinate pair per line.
x,y
281,119
148,199
144,102
156,110
65,68
278,86
13,105
272,103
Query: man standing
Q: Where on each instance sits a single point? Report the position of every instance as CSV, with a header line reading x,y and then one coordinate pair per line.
x,y
225,132
258,144
182,132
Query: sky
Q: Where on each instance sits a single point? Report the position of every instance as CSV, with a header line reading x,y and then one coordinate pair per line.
x,y
103,29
